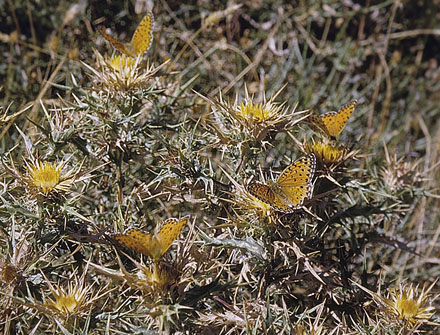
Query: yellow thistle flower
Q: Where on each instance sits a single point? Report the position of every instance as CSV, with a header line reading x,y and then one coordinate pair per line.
x,y
70,300
249,117
259,118
122,63
327,153
121,74
405,303
47,178
256,113
45,175
67,301
151,281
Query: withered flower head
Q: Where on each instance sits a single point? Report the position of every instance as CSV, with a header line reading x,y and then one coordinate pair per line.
x,y
8,272
16,259
160,278
397,173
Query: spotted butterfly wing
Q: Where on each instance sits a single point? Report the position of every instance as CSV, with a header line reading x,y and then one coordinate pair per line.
x,y
140,42
295,181
171,228
143,35
153,246
266,194
291,188
317,124
138,240
335,121
116,43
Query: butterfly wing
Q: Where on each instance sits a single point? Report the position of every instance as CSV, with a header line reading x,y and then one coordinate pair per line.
x,y
171,228
336,121
143,35
137,240
317,124
116,44
269,196
299,172
295,182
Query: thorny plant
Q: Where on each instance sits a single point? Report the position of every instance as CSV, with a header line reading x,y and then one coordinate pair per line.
x,y
344,241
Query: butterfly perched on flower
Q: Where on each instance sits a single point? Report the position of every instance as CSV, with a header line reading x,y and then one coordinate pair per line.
x,y
152,245
140,42
332,123
292,187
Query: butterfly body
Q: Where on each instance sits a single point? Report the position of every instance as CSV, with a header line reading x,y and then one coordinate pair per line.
x,y
152,245
140,42
332,123
292,187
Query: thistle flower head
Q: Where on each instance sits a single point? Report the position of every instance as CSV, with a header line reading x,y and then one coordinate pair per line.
x,y
327,154
256,113
258,118
68,300
249,118
121,74
154,280
407,303
45,178
121,63
397,173
158,279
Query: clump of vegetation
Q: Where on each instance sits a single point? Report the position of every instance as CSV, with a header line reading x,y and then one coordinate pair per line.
x,y
195,180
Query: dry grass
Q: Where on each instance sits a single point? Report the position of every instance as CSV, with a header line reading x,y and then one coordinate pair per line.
x,y
92,145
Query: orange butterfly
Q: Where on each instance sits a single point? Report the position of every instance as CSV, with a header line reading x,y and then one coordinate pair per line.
x,y
141,40
153,246
291,188
332,123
